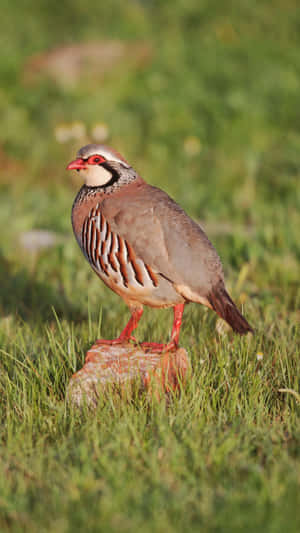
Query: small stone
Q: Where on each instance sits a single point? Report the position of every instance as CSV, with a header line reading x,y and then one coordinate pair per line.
x,y
125,364
35,240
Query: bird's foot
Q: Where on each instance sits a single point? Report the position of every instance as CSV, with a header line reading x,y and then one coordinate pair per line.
x,y
158,347
92,354
114,342
154,347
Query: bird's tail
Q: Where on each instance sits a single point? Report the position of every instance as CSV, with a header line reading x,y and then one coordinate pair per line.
x,y
226,309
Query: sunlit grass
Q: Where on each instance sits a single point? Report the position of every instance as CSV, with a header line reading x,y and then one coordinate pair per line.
x,y
213,118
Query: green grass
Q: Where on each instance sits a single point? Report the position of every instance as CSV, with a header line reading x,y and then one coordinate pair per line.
x,y
224,79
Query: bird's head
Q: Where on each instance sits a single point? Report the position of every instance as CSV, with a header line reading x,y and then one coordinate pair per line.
x,y
99,165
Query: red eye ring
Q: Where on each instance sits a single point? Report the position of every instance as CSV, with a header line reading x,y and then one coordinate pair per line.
x,y
95,159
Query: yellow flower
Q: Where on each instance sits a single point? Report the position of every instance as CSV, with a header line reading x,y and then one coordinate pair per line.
x,y
192,146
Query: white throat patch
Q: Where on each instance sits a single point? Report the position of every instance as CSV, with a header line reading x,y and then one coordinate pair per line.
x,y
96,175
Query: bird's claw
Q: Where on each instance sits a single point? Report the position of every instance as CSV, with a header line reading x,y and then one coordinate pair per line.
x,y
114,342
158,347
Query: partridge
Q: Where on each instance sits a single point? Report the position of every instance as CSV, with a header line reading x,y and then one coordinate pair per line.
x,y
144,246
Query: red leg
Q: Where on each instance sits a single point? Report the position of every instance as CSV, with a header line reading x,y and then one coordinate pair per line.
x,y
125,335
173,344
178,312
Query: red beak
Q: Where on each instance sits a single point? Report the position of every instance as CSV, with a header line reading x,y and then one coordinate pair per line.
x,y
76,164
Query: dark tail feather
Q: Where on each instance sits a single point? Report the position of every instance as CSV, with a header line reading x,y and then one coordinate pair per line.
x,y
226,309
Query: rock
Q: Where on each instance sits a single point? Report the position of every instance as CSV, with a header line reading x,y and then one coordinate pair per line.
x,y
123,365
68,65
38,239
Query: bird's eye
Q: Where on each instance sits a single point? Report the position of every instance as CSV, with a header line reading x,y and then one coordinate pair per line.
x,y
95,159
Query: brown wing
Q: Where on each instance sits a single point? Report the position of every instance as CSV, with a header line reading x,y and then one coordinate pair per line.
x,y
165,238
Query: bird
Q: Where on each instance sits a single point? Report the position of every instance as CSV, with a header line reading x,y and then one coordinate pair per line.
x,y
144,246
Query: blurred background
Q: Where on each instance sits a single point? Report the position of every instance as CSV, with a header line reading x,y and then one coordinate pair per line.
x,y
202,97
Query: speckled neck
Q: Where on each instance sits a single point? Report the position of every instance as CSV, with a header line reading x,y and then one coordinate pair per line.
x,y
120,176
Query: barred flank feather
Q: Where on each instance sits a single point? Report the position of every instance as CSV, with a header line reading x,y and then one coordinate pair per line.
x,y
226,309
